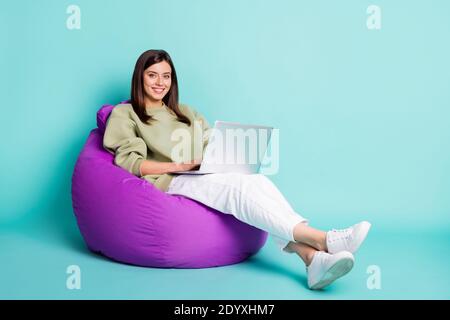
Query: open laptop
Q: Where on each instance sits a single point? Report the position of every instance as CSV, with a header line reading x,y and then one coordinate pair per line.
x,y
234,147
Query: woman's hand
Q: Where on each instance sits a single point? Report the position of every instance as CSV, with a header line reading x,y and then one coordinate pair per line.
x,y
187,166
157,167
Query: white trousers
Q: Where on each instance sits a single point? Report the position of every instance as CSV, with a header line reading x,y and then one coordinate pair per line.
x,y
251,198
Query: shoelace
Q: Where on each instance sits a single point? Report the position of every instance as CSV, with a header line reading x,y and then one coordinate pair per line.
x,y
341,234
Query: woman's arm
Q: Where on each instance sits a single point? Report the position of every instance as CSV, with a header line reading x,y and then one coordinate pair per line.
x,y
157,167
120,139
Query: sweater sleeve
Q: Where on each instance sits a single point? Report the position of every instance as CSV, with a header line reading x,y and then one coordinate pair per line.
x,y
120,139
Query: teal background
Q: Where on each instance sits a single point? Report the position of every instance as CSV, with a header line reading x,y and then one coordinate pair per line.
x,y
364,133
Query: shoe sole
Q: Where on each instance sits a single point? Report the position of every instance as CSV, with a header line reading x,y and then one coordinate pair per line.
x,y
363,231
336,271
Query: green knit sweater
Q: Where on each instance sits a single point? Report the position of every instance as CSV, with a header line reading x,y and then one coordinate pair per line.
x,y
131,141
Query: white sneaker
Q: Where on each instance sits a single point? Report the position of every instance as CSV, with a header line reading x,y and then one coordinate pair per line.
x,y
326,268
347,239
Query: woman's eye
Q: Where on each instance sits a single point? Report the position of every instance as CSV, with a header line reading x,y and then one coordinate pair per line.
x,y
167,77
151,75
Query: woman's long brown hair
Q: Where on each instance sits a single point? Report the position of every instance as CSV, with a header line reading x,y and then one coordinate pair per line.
x,y
147,59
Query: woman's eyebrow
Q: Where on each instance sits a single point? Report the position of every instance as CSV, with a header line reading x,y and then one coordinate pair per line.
x,y
157,72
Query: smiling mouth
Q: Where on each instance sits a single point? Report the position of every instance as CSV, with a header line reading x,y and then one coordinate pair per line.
x,y
158,90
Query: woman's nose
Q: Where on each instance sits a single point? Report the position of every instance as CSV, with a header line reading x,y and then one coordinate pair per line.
x,y
159,81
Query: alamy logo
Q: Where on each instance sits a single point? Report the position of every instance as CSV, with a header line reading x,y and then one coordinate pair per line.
x,y
74,20
374,280
73,281
228,146
374,19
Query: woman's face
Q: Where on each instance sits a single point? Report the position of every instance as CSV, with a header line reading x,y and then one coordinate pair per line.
x,y
157,80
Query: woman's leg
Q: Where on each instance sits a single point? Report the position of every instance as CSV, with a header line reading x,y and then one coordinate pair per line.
x,y
252,199
302,232
310,236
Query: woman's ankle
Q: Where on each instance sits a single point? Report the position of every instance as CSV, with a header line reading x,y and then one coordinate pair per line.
x,y
321,243
308,257
305,252
311,237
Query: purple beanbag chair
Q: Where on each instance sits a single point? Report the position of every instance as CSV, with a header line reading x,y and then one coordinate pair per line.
x,y
129,220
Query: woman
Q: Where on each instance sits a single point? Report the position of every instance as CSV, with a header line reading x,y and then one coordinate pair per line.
x,y
141,136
